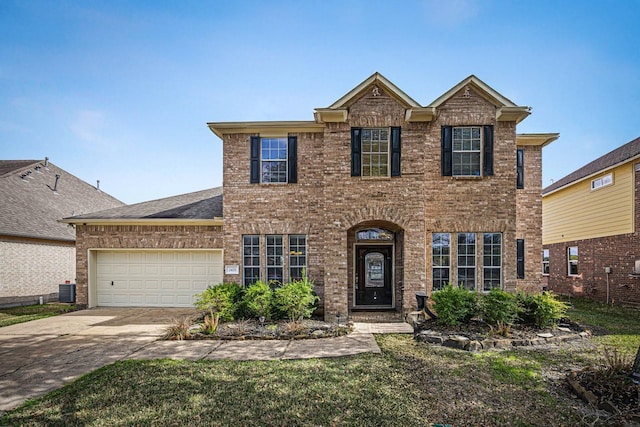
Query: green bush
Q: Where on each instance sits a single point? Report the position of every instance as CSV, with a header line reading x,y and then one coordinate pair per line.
x,y
295,300
220,302
541,310
499,307
258,300
455,305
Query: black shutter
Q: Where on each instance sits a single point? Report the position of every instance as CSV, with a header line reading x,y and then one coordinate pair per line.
x,y
396,148
292,160
488,151
356,151
447,151
520,168
520,258
255,160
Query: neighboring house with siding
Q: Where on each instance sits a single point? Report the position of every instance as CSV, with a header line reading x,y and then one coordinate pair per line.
x,y
37,253
591,234
377,198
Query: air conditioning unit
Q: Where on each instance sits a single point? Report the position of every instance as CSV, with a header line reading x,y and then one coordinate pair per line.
x,y
67,292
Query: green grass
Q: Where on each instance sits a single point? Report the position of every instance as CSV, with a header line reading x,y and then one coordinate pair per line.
x,y
615,326
13,315
410,383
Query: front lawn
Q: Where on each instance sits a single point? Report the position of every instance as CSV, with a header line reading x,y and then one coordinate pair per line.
x,y
13,315
410,383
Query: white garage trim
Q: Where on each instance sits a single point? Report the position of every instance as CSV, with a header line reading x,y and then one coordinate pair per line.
x,y
151,278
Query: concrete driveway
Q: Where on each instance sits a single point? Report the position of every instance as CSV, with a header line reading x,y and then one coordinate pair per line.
x,y
43,355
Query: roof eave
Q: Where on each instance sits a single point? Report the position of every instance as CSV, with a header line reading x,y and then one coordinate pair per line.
x,y
379,79
276,128
143,221
539,139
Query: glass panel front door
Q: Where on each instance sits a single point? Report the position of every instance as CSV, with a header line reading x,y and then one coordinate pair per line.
x,y
373,276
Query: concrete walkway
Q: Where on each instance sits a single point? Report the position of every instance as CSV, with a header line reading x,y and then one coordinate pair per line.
x,y
43,355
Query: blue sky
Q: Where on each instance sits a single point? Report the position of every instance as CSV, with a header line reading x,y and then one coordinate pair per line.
x,y
121,91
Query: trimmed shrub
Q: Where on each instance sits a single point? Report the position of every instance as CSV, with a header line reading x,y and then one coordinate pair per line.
x,y
219,301
455,305
296,300
541,310
258,300
499,307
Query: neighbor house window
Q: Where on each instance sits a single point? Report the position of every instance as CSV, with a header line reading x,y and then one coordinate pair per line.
x,y
572,260
467,151
603,181
375,152
440,259
545,261
275,258
274,160
297,256
250,259
520,250
467,260
492,261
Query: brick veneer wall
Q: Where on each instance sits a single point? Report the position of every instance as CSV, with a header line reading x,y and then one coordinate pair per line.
x,y
328,205
529,219
618,252
29,270
137,237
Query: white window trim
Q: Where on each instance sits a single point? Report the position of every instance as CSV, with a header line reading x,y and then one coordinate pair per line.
x,y
285,160
545,262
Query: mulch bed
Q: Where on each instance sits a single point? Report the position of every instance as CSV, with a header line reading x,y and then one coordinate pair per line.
x,y
275,330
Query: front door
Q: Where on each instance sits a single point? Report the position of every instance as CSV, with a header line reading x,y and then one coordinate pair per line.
x,y
373,276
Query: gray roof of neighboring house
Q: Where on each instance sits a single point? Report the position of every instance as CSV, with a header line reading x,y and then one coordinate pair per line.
x,y
205,204
30,208
617,156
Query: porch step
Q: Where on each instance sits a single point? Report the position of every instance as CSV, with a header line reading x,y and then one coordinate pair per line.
x,y
383,328
376,317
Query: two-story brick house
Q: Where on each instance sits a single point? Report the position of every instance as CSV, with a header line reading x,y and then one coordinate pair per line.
x,y
377,198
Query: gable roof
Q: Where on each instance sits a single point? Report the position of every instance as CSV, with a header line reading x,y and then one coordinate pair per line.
x,y
378,79
204,205
623,154
29,206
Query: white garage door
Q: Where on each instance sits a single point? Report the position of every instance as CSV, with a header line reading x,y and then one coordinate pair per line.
x,y
155,278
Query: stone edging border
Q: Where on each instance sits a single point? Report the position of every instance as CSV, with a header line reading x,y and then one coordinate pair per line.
x,y
461,342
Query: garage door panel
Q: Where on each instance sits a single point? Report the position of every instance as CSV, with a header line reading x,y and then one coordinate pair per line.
x,y
155,278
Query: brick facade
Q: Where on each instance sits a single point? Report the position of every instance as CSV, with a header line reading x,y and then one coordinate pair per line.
x,y
23,281
137,237
617,252
329,205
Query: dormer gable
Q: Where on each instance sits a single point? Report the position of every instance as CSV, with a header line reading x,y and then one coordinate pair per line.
x,y
506,110
338,112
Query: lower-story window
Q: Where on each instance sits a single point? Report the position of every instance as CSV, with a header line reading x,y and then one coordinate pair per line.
x,y
572,260
545,261
250,259
492,261
276,263
467,260
297,256
441,259
275,259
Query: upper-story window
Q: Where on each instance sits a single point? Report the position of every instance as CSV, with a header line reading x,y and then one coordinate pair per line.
x,y
603,181
274,160
467,151
375,152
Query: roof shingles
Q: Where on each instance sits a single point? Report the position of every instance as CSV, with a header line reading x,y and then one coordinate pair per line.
x,y
617,156
30,208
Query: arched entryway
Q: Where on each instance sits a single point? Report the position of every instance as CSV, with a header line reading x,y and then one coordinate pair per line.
x,y
375,267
